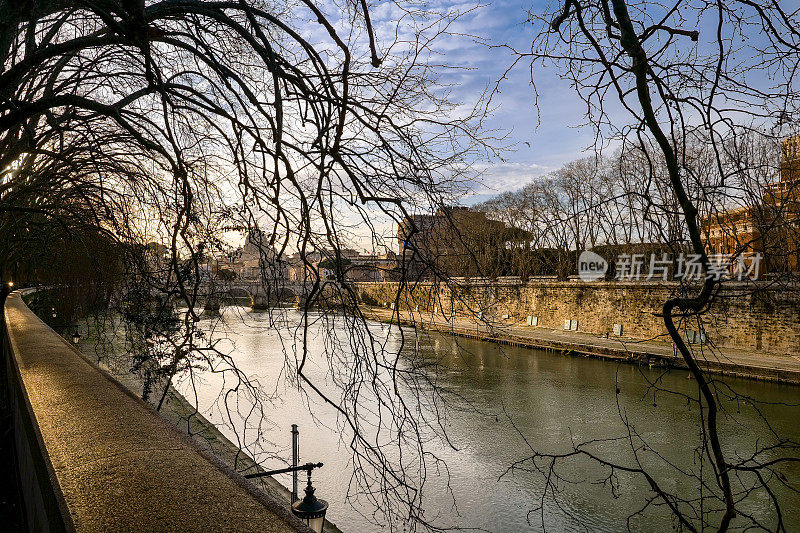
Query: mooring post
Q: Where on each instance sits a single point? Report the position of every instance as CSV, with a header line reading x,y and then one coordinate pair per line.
x,y
295,454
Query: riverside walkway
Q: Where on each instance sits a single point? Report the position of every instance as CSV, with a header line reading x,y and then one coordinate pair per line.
x,y
94,457
741,363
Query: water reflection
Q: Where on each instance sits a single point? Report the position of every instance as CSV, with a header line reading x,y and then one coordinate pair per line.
x,y
553,401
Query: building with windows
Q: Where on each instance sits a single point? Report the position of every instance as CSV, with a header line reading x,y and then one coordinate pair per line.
x,y
355,266
770,227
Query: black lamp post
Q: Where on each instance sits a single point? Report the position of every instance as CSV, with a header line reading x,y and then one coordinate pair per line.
x,y
310,509
76,337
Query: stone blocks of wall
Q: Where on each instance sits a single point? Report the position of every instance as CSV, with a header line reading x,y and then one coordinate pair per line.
x,y
756,318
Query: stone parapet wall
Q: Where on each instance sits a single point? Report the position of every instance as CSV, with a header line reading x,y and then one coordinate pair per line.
x,y
757,318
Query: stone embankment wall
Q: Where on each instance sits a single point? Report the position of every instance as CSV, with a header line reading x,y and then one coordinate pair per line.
x,y
760,318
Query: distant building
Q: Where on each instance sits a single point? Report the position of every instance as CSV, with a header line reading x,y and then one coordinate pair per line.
x,y
373,267
771,227
256,257
255,260
456,241
356,266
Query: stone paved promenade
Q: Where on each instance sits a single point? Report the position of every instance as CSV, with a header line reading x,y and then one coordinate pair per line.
x,y
114,463
757,365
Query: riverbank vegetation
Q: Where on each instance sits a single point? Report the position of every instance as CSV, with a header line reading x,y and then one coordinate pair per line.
x,y
620,204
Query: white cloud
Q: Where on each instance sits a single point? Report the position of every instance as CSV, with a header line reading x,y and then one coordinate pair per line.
x,y
502,177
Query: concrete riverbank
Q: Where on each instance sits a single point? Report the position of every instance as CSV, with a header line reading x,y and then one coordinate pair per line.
x,y
183,414
772,367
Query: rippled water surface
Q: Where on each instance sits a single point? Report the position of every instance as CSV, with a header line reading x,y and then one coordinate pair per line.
x,y
552,400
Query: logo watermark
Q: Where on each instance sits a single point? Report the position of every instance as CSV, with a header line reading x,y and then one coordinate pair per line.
x,y
591,266
663,267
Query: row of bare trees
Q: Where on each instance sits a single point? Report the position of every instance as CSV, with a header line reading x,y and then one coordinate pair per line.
x,y
621,203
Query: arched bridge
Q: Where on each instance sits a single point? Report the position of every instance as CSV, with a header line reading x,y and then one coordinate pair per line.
x,y
262,296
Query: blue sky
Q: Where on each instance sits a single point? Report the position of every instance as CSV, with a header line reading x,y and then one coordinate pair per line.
x,y
543,138
549,135
551,130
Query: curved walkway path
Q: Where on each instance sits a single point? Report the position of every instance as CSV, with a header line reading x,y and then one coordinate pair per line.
x,y
115,464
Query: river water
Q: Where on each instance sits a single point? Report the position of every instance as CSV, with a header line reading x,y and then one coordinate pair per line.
x,y
521,399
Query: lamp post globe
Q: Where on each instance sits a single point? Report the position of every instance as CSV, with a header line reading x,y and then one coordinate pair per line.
x,y
76,338
310,509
